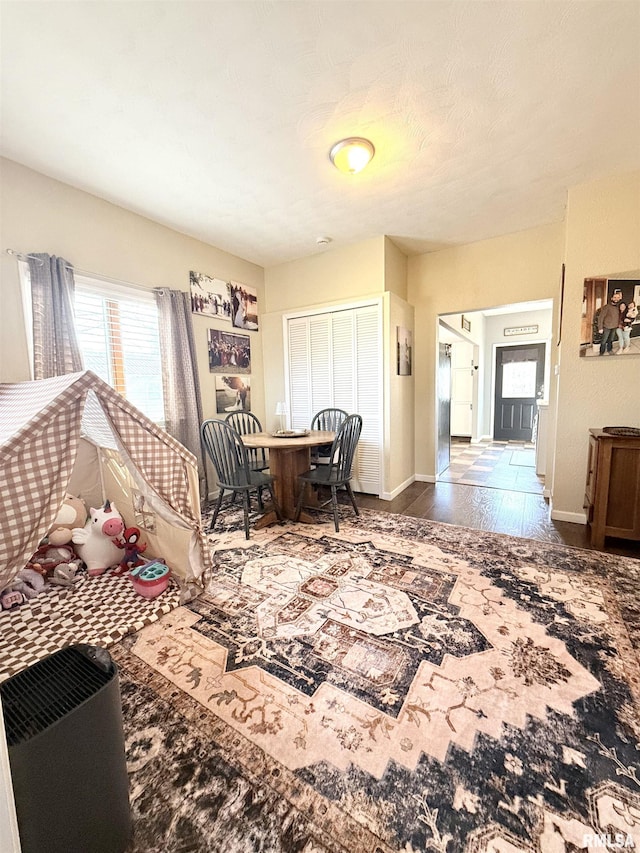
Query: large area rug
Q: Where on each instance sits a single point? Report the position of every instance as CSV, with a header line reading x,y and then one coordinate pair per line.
x,y
400,686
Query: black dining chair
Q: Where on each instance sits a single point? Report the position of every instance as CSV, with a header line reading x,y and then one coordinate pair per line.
x,y
246,423
329,420
229,457
337,472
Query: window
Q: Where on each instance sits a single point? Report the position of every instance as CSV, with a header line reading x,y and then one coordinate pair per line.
x,y
117,329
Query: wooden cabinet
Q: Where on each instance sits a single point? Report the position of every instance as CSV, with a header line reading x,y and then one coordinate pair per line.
x,y
612,493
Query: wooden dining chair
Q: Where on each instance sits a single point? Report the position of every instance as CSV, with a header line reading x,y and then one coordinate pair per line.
x,y
329,420
229,456
246,423
337,471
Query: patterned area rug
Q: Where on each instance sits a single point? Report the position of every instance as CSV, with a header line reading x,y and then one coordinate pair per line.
x,y
400,686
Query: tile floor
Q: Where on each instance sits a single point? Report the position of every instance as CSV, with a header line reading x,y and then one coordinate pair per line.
x,y
494,465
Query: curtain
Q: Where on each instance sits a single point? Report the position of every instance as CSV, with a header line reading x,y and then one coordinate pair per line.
x,y
55,346
180,381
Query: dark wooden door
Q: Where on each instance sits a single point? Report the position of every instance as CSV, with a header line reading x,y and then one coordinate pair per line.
x,y
444,407
519,382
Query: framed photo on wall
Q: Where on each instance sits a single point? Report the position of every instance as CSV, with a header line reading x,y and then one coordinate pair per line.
x,y
610,322
244,306
229,351
209,296
404,346
233,394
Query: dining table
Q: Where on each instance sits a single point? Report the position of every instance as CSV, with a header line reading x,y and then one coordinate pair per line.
x,y
289,456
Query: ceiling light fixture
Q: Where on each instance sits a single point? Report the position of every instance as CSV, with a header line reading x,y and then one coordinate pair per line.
x,y
352,155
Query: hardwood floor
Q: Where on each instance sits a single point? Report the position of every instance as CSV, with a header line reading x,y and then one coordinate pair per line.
x,y
501,511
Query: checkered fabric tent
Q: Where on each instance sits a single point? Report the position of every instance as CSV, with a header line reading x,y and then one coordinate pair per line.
x,y
75,434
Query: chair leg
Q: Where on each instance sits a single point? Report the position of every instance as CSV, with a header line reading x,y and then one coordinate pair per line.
x,y
214,517
260,502
245,503
300,499
351,496
334,504
276,508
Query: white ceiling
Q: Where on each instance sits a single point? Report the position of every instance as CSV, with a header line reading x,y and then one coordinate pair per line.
x,y
216,118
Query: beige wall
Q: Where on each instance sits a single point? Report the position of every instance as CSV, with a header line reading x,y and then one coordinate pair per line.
x,y
399,456
602,239
395,269
43,215
353,273
369,270
513,268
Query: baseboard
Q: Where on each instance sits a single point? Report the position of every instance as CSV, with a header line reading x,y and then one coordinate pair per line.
x,y
425,478
573,517
389,496
481,439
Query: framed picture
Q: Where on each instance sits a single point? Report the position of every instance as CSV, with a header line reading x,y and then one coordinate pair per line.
x,y
233,394
210,296
610,322
229,352
404,346
466,324
244,306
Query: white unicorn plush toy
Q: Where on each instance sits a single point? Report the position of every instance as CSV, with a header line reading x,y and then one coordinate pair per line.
x,y
94,543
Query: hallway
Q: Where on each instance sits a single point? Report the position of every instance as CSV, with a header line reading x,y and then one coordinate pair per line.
x,y
494,465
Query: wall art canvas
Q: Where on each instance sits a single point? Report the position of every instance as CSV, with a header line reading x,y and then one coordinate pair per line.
x,y
404,346
244,306
210,296
233,394
229,352
610,317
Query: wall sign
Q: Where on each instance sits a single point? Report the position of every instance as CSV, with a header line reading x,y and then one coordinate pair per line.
x,y
520,330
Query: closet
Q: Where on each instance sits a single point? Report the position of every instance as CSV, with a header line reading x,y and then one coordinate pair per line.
x,y
334,359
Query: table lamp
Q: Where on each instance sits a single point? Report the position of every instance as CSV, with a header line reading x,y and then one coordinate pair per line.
x,y
281,411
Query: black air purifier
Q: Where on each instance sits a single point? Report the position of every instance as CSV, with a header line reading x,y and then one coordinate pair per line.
x,y
63,721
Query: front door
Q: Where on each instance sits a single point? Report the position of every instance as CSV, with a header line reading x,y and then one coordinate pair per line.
x,y
444,407
519,382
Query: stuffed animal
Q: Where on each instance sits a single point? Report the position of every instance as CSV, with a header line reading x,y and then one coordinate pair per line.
x,y
72,513
94,543
26,584
65,574
29,582
47,557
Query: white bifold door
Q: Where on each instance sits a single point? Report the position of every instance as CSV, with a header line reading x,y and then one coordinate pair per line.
x,y
335,360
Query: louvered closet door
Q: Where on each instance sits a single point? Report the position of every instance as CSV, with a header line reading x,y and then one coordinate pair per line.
x,y
335,360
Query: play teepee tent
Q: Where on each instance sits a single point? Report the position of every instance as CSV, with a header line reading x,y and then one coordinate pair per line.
x,y
75,434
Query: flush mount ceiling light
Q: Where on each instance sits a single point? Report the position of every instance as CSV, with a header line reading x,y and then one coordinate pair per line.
x,y
352,155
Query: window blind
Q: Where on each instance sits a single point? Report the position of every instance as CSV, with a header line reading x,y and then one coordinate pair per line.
x,y
117,330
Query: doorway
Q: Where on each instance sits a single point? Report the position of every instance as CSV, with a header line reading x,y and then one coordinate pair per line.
x,y
444,407
519,383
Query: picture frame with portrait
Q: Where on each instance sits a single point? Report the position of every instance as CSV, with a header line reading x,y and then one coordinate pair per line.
x,y
610,322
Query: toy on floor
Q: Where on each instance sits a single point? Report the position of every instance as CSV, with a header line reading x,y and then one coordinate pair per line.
x,y
72,514
150,579
66,574
47,557
27,584
94,542
132,550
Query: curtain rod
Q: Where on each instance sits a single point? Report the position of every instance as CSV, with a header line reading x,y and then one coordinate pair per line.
x,y
21,256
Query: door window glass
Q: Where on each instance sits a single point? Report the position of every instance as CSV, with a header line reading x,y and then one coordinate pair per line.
x,y
519,379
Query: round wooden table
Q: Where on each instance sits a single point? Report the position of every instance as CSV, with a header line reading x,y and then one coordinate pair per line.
x,y
288,457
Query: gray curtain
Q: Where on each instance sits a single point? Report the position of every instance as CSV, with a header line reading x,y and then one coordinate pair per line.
x,y
180,381
55,346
